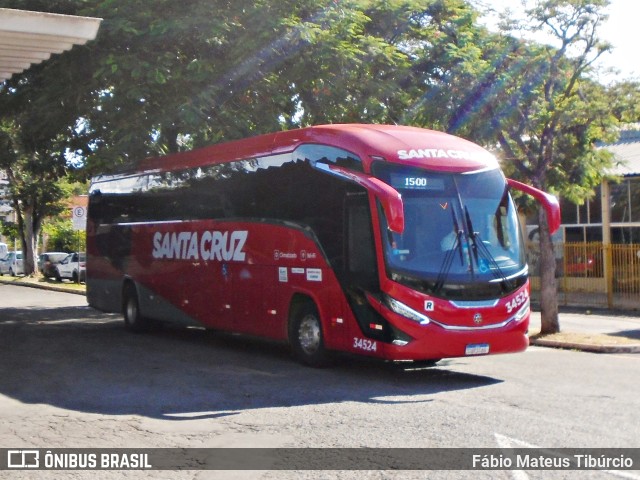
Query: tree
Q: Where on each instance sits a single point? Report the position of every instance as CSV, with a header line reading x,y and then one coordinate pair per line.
x,y
555,148
38,119
169,77
538,104
624,98
34,186
380,61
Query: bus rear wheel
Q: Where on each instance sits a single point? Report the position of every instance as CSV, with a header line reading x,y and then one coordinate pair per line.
x,y
305,336
133,320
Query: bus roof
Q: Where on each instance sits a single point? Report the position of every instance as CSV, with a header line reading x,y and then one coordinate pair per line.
x,y
399,144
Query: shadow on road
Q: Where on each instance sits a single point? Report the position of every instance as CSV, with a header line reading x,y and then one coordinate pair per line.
x,y
635,334
80,359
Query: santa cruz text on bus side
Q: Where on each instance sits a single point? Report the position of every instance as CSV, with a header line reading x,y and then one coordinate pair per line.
x,y
211,245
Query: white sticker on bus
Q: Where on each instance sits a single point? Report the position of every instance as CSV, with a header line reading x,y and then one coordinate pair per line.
x,y
214,245
314,275
283,275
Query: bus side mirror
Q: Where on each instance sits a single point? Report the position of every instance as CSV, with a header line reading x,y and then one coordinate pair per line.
x,y
388,196
548,201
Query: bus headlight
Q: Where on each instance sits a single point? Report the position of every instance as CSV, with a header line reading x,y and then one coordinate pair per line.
x,y
407,312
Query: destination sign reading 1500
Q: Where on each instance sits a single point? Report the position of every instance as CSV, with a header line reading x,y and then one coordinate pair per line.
x,y
410,182
415,182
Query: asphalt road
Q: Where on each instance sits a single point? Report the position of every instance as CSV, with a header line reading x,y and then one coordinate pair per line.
x,y
73,377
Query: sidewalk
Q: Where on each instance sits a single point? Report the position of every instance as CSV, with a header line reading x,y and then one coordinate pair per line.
x,y
589,330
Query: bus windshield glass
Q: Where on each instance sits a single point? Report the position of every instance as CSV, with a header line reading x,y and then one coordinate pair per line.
x,y
461,237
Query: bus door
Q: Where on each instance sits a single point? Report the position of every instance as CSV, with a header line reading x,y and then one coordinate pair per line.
x,y
360,257
360,274
243,294
221,295
255,309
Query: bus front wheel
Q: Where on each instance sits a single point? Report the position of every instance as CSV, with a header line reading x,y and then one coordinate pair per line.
x,y
305,336
133,320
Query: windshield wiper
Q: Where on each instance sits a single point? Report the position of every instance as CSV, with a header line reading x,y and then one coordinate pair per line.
x,y
480,249
448,258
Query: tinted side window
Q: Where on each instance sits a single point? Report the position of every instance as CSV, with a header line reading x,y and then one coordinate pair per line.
x,y
276,188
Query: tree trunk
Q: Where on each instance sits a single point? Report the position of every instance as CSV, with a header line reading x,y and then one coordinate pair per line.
x,y
17,208
548,288
29,255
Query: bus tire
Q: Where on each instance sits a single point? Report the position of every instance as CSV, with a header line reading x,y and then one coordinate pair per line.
x,y
305,336
133,320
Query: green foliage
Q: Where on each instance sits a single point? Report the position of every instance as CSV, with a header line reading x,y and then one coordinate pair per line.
x,y
9,230
34,169
62,238
624,101
169,76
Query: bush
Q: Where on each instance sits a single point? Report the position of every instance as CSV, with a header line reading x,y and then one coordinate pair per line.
x,y
63,238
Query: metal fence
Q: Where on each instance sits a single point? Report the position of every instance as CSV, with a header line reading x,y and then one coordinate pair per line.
x,y
592,274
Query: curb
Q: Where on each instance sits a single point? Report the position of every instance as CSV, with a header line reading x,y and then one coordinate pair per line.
x,y
52,288
586,347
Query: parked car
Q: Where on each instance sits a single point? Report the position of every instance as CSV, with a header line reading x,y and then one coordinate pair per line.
x,y
578,266
47,262
72,267
12,264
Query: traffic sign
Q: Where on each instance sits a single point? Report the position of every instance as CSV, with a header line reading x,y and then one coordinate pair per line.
x,y
79,217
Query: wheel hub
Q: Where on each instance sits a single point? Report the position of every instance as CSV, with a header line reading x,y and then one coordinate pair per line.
x,y
309,334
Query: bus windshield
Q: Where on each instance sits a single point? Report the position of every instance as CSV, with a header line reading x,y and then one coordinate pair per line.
x,y
461,238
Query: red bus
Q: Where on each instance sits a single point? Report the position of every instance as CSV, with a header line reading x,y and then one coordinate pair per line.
x,y
389,241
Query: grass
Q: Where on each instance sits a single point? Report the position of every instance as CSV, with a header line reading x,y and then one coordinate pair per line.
x,y
39,280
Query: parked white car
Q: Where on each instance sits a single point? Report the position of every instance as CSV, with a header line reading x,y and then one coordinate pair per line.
x,y
12,264
72,267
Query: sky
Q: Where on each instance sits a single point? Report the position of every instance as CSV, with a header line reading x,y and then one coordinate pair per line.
x,y
622,30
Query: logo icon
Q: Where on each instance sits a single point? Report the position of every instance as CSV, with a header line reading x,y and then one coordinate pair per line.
x,y
477,319
23,459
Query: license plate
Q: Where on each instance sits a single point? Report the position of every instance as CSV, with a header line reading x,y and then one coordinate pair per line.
x,y
477,349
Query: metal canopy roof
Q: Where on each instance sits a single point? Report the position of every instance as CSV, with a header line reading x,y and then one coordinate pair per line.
x,y
27,38
627,153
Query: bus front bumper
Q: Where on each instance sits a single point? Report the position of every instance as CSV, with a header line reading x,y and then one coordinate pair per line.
x,y
434,340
